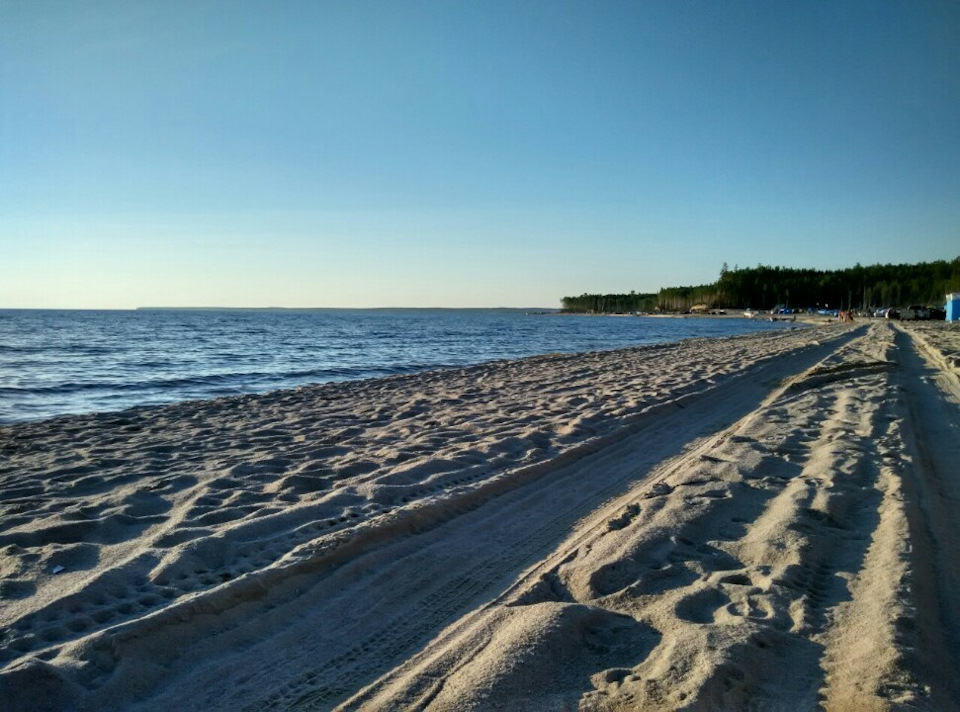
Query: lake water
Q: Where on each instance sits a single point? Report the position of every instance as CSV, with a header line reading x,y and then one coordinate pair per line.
x,y
57,362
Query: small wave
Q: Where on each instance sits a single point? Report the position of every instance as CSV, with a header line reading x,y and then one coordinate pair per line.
x,y
22,349
63,349
221,382
88,350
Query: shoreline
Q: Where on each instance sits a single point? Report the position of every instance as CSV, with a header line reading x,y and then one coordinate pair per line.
x,y
805,318
205,548
357,388
120,373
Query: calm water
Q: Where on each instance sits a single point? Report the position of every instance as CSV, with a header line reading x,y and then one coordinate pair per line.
x,y
56,362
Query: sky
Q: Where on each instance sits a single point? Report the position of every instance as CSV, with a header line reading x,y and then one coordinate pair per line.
x,y
446,154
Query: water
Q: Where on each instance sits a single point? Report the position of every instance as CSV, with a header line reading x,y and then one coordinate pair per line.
x,y
57,362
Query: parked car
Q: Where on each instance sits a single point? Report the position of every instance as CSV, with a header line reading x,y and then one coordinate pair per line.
x,y
915,312
892,313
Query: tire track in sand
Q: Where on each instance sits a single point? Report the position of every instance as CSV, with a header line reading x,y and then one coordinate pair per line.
x,y
465,559
930,391
759,558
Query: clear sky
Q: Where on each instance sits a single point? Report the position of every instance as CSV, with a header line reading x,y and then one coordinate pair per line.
x,y
464,154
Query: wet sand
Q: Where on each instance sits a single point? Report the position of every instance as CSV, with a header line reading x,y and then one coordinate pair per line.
x,y
761,522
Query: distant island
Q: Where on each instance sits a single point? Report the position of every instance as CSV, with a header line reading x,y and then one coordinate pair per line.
x,y
765,287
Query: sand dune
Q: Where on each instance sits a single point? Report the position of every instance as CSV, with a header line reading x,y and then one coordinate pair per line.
x,y
759,522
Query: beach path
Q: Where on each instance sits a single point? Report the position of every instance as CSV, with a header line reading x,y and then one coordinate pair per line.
x,y
761,519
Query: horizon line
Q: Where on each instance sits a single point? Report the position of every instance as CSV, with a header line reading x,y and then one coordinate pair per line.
x,y
273,308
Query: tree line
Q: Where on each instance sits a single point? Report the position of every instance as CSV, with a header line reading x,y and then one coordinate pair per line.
x,y
610,303
764,287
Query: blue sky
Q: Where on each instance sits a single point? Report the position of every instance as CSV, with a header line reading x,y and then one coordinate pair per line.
x,y
454,154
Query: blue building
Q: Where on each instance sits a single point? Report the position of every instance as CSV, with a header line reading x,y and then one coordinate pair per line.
x,y
953,307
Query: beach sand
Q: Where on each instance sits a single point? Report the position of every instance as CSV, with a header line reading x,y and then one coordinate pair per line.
x,y
764,522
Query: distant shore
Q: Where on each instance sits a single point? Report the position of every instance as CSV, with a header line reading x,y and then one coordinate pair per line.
x,y
800,317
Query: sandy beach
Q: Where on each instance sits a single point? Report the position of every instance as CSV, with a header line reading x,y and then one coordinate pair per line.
x,y
765,522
